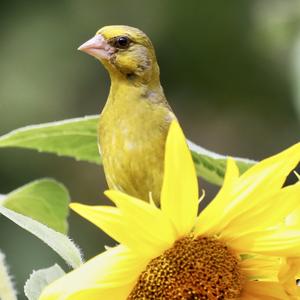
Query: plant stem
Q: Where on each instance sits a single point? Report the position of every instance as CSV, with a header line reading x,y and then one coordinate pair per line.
x,y
7,291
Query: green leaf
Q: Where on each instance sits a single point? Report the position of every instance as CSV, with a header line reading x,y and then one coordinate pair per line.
x,y
75,138
59,242
212,166
78,138
45,200
39,279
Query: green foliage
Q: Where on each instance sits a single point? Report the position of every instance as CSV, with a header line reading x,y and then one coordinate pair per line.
x,y
39,279
75,138
212,166
56,240
43,200
78,138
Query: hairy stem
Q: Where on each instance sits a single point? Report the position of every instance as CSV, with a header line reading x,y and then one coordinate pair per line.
x,y
7,291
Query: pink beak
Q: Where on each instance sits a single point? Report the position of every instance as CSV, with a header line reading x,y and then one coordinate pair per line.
x,y
98,47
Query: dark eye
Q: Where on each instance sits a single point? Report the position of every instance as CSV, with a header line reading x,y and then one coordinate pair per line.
x,y
122,42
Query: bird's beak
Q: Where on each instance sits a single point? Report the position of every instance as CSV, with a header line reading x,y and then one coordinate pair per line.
x,y
98,47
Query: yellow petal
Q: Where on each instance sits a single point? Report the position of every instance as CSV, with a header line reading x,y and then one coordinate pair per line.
x,y
290,271
256,184
138,225
272,172
110,276
94,293
208,221
262,179
260,290
274,242
261,267
179,196
293,219
263,216
146,218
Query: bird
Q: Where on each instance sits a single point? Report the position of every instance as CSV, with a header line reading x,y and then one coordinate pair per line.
x,y
135,120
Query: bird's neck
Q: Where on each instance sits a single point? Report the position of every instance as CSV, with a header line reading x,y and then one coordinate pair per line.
x,y
123,91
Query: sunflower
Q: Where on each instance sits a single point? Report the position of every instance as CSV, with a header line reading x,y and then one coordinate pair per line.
x,y
234,249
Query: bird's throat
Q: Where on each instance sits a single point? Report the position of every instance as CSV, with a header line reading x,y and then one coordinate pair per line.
x,y
125,93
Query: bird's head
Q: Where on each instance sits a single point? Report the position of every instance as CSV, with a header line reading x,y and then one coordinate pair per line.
x,y
126,52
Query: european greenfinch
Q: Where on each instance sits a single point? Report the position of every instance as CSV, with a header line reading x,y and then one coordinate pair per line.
x,y
134,123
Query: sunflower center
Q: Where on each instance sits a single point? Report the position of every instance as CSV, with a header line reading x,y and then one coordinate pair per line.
x,y
194,268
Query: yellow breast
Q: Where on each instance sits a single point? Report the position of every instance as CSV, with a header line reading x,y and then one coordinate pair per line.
x,y
132,134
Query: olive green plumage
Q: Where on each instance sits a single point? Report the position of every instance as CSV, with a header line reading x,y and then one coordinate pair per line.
x,y
134,123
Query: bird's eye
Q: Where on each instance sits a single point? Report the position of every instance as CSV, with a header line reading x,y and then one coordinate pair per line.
x,y
122,42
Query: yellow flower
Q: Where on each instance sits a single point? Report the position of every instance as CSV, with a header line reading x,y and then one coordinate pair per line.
x,y
234,249
290,267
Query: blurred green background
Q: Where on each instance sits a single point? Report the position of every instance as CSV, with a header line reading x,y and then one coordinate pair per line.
x,y
230,69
